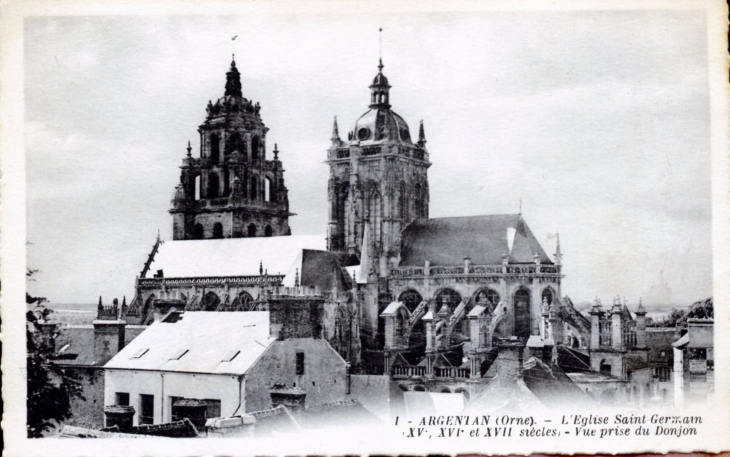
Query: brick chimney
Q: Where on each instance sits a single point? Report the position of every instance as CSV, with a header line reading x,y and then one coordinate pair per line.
x,y
296,312
108,333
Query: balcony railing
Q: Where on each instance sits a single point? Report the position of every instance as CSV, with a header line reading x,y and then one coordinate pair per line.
x,y
409,371
451,372
476,270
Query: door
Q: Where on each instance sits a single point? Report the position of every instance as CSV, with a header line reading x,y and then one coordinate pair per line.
x,y
146,409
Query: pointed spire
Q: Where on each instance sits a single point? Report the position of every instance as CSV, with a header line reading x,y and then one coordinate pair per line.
x,y
558,252
261,267
124,301
190,149
380,65
100,304
276,151
296,277
158,235
233,81
421,135
335,131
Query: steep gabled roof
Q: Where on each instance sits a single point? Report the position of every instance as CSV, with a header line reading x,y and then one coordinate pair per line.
x,y
446,241
199,342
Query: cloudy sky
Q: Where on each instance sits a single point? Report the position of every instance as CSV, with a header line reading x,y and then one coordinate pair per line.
x,y
599,121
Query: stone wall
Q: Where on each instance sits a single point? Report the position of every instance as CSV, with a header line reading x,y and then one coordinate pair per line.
x,y
89,411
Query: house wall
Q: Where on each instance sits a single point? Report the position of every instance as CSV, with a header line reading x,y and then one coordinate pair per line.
x,y
324,378
164,385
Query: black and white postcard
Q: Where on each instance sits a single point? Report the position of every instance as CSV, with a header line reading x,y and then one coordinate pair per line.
x,y
351,228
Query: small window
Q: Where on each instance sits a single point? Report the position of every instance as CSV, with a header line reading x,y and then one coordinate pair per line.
x,y
140,353
300,363
122,398
178,355
65,346
230,356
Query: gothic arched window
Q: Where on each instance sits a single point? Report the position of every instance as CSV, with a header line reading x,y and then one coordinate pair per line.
x,y
210,302
215,144
419,201
448,297
522,313
244,302
251,230
254,187
403,202
218,230
213,185
198,188
489,298
268,231
411,299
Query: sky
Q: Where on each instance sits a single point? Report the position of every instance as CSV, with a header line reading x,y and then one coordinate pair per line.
x,y
599,121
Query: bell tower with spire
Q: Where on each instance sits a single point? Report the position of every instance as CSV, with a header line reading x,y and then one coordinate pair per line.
x,y
231,190
378,178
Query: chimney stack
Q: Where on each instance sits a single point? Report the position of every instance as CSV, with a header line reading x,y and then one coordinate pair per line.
x,y
108,333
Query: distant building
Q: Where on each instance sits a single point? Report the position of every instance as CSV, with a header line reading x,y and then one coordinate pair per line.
x,y
83,350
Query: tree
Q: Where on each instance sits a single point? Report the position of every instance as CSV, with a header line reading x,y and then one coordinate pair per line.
x,y
50,388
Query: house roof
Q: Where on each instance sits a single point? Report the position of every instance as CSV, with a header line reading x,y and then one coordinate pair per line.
x,y
446,241
199,342
317,268
75,344
231,256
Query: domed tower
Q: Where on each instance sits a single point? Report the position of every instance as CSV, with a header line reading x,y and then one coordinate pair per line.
x,y
378,178
231,190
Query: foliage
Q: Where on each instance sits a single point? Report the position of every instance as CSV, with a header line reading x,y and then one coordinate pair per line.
x,y
702,309
50,388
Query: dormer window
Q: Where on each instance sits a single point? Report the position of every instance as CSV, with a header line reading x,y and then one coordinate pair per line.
x,y
230,356
140,353
178,355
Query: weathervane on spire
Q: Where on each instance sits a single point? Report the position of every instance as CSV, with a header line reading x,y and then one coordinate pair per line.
x,y
233,47
380,49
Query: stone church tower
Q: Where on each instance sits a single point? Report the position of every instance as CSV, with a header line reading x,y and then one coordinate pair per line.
x,y
231,190
378,180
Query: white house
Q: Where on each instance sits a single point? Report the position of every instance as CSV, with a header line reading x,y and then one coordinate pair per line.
x,y
228,359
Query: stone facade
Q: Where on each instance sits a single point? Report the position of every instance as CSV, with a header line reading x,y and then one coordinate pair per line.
x,y
231,190
377,177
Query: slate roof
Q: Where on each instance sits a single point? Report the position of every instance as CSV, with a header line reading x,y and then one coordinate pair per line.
x,y
446,241
231,256
318,268
209,339
75,344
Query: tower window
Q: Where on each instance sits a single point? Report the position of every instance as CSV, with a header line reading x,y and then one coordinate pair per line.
x,y
254,148
267,231
198,232
251,230
213,185
214,148
254,187
267,189
218,230
197,188
226,182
